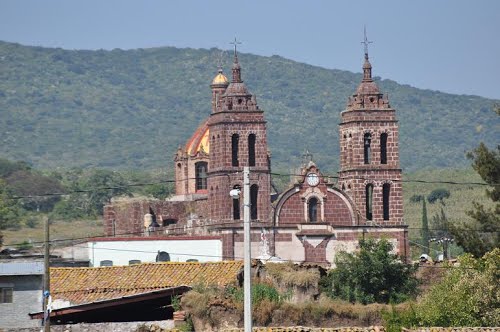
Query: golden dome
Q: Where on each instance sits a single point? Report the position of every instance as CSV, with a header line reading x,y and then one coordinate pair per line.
x,y
220,78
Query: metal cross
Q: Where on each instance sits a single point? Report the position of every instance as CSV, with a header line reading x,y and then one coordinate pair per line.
x,y
366,42
235,43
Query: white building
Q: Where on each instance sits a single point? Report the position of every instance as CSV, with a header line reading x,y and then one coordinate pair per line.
x,y
132,250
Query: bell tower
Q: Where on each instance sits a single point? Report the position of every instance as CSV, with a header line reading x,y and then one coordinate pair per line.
x,y
237,138
370,172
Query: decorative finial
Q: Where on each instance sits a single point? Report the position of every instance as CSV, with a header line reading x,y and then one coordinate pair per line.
x,y
307,157
220,58
235,43
366,42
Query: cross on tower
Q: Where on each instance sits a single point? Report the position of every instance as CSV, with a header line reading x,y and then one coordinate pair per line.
x,y
235,43
366,42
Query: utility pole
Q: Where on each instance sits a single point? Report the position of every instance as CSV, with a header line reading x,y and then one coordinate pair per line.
x,y
247,287
46,278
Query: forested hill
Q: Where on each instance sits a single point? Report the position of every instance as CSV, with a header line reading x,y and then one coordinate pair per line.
x,y
131,109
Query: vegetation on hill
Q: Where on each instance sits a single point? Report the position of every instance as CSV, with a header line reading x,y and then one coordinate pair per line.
x,y
131,109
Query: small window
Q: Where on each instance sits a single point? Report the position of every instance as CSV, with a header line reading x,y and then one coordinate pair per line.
x,y
251,150
313,209
6,294
169,221
386,193
201,169
236,206
134,261
367,141
106,262
254,193
192,260
235,139
369,201
383,148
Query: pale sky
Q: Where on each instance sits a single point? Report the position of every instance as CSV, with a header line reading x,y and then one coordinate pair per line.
x,y
447,45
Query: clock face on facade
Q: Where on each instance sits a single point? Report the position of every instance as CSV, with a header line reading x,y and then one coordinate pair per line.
x,y
312,179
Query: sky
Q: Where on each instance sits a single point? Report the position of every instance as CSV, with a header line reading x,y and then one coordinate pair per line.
x,y
447,45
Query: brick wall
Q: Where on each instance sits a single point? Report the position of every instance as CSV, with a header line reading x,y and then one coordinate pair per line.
x,y
127,218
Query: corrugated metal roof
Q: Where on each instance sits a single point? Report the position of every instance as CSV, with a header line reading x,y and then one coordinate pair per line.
x,y
21,268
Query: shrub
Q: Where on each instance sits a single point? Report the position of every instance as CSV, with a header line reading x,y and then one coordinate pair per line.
x,y
467,296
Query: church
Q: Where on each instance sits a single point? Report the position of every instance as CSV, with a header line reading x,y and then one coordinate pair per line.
x,y
309,222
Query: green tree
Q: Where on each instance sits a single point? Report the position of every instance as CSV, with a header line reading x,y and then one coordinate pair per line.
x,y
373,274
100,187
425,229
158,190
468,295
438,195
482,235
36,188
9,210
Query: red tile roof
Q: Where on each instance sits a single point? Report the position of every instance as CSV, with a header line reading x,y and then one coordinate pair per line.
x,y
85,285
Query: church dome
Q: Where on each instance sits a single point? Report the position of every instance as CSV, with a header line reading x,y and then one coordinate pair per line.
x,y
220,79
199,141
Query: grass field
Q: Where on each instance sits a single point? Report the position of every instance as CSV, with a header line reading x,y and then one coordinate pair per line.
x,y
59,230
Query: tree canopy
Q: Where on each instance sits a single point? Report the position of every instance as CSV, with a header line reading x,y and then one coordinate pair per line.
x,y
374,274
482,235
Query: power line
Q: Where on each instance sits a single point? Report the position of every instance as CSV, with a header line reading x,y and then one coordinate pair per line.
x,y
241,258
142,184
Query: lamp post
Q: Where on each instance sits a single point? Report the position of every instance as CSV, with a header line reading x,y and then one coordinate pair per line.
x,y
247,248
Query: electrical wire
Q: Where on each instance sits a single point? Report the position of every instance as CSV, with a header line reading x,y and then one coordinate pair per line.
x,y
142,184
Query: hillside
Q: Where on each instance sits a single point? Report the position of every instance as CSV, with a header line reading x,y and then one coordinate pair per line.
x,y
131,109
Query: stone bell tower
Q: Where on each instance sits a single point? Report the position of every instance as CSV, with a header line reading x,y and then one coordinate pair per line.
x,y
370,172
237,139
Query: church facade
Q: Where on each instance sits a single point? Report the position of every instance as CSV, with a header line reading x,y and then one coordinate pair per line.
x,y
312,220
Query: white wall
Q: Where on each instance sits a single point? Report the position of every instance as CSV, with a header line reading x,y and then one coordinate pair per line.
x,y
120,252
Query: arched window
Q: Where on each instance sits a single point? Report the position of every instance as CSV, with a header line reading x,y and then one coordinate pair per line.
x,y
236,206
386,194
313,209
201,169
235,139
367,141
369,201
383,148
251,150
254,193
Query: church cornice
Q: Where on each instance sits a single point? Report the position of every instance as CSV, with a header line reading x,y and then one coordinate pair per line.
x,y
368,121
372,168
